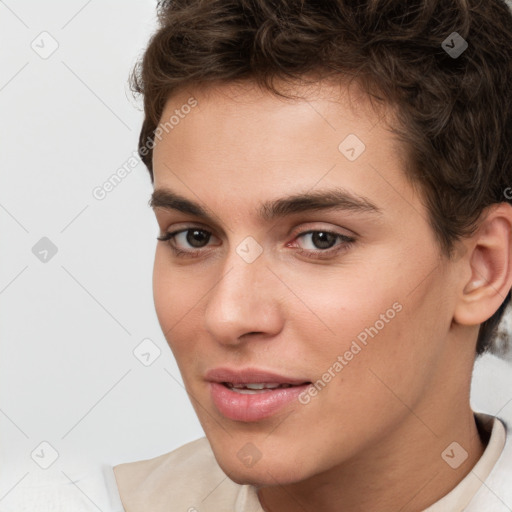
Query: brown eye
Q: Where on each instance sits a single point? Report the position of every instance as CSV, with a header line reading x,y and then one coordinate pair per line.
x,y
323,239
322,244
197,237
188,241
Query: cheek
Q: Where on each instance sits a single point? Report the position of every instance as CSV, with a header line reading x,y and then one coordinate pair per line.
x,y
389,360
379,321
172,296
163,294
345,304
178,294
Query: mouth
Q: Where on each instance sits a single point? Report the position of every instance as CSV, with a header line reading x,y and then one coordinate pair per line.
x,y
258,387
251,395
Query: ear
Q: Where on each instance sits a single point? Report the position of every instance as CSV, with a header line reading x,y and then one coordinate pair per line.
x,y
489,265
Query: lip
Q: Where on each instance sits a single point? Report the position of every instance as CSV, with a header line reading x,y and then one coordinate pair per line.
x,y
252,407
248,375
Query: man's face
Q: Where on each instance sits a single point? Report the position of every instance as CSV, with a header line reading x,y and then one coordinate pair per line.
x,y
355,299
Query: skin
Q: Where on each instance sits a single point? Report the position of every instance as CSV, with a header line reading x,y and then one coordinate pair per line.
x,y
372,439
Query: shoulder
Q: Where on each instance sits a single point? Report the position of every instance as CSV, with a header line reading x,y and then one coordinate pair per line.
x,y
184,478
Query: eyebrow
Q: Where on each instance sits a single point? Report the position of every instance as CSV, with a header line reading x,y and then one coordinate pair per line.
x,y
332,199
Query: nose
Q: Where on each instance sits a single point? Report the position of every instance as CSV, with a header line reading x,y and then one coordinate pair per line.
x,y
243,301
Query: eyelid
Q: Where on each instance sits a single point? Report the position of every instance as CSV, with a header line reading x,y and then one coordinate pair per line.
x,y
311,226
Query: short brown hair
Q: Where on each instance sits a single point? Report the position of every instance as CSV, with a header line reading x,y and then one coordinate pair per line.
x,y
454,111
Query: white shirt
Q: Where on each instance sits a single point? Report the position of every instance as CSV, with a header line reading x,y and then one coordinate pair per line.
x,y
51,490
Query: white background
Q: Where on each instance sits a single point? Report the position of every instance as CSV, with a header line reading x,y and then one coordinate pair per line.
x,y
68,326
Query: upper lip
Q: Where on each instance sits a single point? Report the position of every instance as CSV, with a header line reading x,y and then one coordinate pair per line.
x,y
250,375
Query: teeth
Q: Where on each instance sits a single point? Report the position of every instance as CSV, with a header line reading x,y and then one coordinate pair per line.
x,y
257,386
261,386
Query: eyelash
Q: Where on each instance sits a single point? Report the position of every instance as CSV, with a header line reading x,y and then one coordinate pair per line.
x,y
313,254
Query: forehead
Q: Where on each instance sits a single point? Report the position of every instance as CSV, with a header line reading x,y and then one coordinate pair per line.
x,y
336,103
240,116
240,145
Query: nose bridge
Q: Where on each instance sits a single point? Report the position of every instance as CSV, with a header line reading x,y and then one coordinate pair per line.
x,y
241,300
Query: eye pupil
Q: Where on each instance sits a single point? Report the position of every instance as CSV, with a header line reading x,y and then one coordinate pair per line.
x,y
323,240
195,237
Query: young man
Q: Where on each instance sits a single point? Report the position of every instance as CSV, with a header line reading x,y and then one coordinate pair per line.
x,y
335,247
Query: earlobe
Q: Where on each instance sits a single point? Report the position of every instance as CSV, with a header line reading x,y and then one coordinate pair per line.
x,y
490,267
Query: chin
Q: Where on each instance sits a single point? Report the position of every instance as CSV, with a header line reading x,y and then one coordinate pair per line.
x,y
267,471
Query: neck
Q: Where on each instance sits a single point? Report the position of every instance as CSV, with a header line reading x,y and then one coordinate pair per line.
x,y
405,471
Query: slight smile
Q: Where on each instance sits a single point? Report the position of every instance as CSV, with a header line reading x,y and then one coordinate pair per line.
x,y
251,394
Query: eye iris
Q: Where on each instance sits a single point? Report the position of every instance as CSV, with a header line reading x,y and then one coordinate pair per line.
x,y
323,240
195,237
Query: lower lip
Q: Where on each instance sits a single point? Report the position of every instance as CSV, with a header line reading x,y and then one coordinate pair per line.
x,y
252,407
